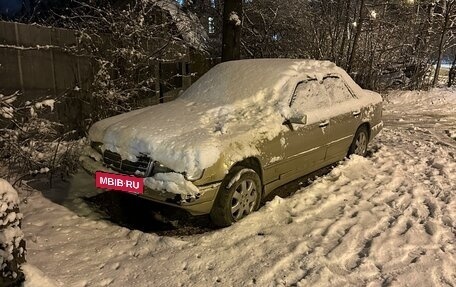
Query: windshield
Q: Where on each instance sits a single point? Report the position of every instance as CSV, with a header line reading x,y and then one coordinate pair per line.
x,y
230,82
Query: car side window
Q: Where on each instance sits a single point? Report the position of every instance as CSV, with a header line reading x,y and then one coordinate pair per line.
x,y
336,90
308,96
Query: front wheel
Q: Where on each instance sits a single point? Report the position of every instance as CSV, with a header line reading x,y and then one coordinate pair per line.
x,y
239,195
360,142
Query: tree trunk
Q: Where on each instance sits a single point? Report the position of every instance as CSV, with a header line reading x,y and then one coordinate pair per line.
x,y
442,40
356,39
452,72
231,43
344,34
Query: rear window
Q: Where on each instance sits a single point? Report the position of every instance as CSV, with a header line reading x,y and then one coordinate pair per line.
x,y
336,90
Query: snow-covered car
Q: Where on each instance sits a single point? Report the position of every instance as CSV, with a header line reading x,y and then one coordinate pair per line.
x,y
243,129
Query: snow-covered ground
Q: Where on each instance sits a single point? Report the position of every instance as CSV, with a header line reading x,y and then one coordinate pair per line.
x,y
385,220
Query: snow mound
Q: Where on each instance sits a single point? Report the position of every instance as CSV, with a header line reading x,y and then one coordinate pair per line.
x,y
36,278
12,248
46,103
451,134
172,182
438,100
8,196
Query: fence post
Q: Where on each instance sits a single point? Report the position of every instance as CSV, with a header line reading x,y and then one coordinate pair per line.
x,y
19,59
54,81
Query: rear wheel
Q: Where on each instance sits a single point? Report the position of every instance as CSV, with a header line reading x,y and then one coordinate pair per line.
x,y
239,195
360,142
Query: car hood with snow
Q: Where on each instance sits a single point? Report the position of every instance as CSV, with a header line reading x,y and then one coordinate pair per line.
x,y
176,139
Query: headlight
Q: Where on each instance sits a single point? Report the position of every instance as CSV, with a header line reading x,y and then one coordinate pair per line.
x,y
97,146
195,176
159,168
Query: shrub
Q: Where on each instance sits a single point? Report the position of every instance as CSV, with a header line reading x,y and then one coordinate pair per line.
x,y
31,143
12,244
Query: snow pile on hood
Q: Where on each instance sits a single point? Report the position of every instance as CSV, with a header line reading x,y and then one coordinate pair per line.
x,y
11,235
228,110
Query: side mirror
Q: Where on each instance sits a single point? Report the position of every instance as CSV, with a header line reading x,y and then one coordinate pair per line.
x,y
295,119
298,119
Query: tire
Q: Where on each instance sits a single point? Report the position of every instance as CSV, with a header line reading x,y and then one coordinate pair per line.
x,y
235,201
360,142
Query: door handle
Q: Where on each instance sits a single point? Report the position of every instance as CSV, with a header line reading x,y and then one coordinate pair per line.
x,y
324,124
356,113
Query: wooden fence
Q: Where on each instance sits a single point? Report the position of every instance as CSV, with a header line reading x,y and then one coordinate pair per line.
x,y
33,61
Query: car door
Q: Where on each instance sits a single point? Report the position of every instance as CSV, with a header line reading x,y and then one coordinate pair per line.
x,y
304,145
345,117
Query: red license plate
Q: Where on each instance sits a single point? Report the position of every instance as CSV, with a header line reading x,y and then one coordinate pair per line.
x,y
120,182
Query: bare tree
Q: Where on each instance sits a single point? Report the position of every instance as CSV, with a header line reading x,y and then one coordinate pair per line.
x,y
452,71
232,23
447,13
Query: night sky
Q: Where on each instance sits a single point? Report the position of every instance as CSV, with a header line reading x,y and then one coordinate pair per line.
x,y
10,8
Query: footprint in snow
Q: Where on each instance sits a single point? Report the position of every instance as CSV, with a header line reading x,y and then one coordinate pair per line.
x,y
115,266
106,282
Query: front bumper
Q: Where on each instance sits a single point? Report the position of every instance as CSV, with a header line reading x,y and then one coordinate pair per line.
x,y
199,206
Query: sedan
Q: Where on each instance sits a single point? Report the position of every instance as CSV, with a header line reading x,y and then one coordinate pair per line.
x,y
240,131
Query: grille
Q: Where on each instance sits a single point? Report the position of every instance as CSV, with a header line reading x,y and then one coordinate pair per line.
x,y
114,161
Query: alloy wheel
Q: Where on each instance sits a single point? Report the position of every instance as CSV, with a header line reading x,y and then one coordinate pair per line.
x,y
244,199
361,144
